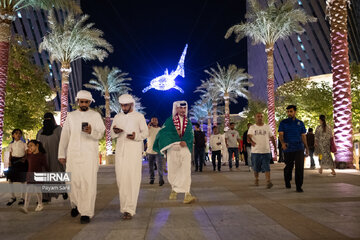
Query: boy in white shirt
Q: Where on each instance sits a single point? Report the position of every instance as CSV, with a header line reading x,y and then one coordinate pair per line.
x,y
215,146
259,135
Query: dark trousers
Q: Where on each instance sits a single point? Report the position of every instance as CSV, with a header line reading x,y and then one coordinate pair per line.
x,y
297,158
311,155
245,156
236,154
155,159
199,158
216,155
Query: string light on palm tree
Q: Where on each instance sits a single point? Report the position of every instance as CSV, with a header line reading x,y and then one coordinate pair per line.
x,y
71,40
230,82
108,81
343,131
210,93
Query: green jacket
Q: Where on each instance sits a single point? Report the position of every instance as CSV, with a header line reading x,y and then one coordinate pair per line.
x,y
168,135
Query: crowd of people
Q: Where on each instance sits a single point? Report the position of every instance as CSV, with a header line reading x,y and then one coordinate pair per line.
x,y
74,148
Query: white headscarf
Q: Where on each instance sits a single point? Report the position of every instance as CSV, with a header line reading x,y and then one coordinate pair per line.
x,y
177,104
83,94
126,99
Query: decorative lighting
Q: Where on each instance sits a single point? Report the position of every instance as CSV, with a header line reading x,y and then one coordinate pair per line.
x,y
167,81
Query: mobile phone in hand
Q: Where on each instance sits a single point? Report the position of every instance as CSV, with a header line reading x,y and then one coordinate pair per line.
x,y
84,125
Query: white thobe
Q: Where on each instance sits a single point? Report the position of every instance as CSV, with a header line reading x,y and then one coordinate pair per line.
x,y
81,151
128,157
224,150
179,166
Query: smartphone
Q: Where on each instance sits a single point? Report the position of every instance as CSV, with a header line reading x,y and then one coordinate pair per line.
x,y
84,125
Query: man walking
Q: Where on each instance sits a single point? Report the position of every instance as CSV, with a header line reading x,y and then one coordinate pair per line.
x,y
129,129
215,145
176,139
232,140
199,151
259,135
154,157
79,150
247,148
293,140
310,139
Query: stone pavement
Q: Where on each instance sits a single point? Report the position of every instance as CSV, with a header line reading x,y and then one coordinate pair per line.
x,y
229,206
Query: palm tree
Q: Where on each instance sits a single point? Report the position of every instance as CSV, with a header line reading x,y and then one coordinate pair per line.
x,y
8,9
138,106
69,41
343,132
198,113
203,108
108,81
210,93
230,82
267,25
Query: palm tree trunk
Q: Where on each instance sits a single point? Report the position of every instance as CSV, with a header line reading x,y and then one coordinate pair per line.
x,y
343,132
65,73
202,125
227,109
5,33
271,94
208,130
108,124
214,109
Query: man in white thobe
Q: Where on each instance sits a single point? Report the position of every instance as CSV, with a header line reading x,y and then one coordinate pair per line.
x,y
129,128
176,138
79,150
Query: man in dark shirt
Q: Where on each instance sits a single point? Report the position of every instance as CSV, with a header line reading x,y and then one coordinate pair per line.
x,y
199,150
310,138
293,140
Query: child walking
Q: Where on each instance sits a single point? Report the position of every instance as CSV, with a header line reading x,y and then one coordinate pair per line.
x,y
17,165
37,163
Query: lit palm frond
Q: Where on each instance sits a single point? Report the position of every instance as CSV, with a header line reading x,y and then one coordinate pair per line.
x,y
116,107
267,24
208,90
199,111
109,80
16,5
74,39
138,106
230,80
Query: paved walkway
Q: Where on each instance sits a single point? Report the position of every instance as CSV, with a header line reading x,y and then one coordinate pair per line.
x,y
229,206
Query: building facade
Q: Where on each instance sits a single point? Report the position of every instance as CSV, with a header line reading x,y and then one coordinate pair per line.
x,y
32,25
305,55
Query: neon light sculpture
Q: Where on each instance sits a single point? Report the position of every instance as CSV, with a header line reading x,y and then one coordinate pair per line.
x,y
167,81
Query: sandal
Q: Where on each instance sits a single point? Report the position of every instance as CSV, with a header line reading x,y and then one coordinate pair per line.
x,y
11,201
126,216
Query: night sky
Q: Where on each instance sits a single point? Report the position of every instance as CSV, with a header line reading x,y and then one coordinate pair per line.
x,y
149,36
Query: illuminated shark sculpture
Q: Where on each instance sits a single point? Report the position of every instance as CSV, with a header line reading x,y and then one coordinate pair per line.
x,y
167,81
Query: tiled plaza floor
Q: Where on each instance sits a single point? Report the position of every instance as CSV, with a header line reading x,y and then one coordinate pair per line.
x,y
229,206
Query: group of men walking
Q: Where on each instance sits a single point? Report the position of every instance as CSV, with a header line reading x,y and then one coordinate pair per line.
x,y
83,128
78,150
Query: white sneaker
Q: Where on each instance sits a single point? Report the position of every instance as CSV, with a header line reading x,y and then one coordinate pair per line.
x,y
39,208
24,210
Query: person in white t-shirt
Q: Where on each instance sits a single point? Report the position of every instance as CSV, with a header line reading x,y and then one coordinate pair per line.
x,y
259,135
232,140
152,156
215,145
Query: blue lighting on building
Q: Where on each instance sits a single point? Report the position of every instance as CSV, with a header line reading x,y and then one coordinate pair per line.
x,y
167,81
